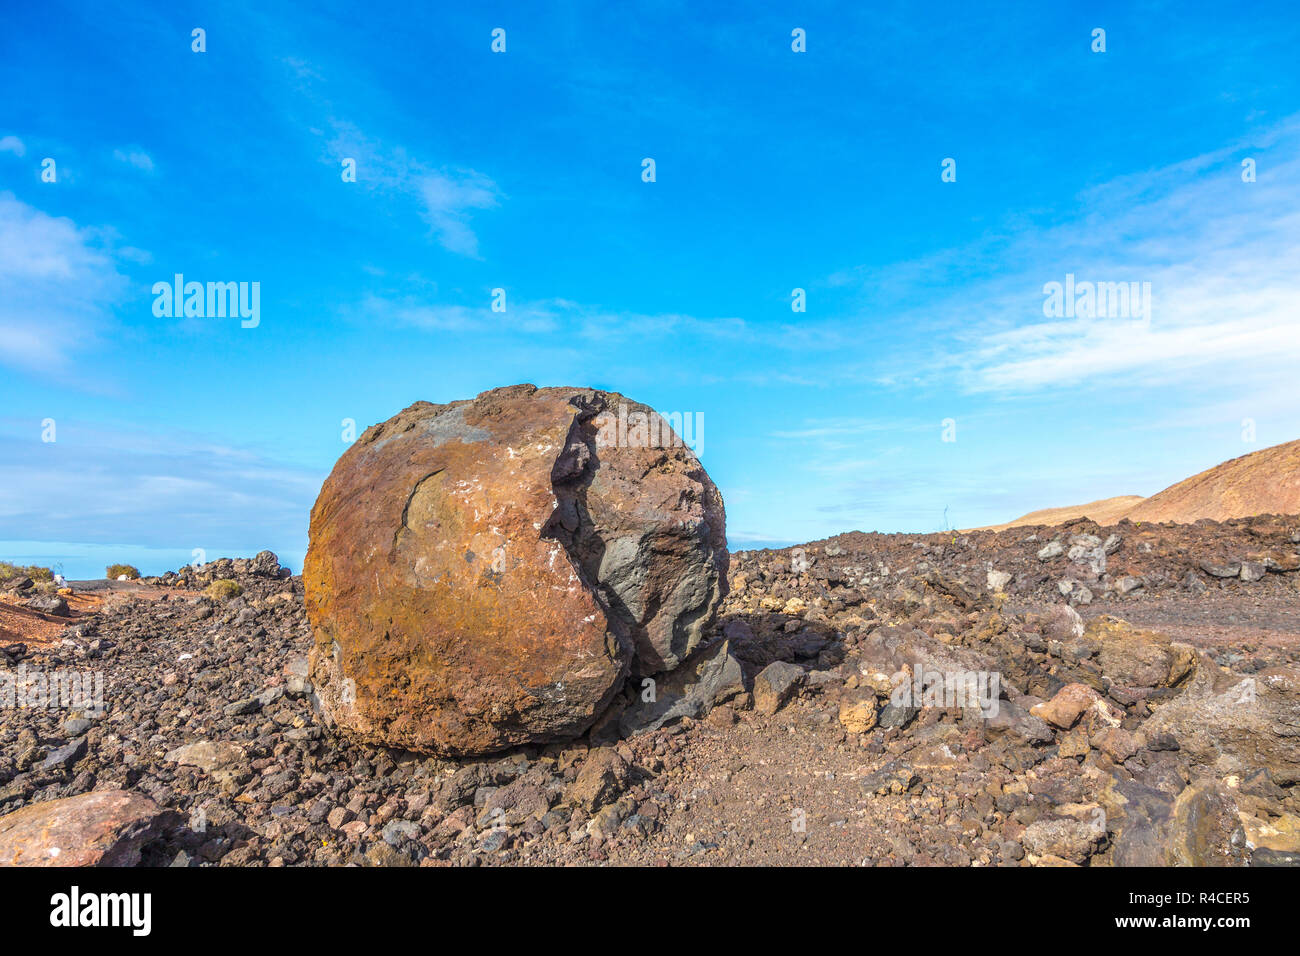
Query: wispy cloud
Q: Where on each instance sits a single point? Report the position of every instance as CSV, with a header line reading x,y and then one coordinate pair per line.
x,y
446,197
58,282
594,324
1220,255
134,156
12,144
103,483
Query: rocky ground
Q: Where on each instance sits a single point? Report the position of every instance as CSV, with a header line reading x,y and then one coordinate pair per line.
x,y
1147,712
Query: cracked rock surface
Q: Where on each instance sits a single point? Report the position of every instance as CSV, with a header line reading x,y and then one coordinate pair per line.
x,y
488,573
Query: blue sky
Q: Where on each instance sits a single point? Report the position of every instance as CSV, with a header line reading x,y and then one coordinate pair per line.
x,y
522,170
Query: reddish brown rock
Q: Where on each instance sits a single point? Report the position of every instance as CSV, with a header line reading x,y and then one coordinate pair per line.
x,y
1069,704
1234,722
486,573
1135,657
102,828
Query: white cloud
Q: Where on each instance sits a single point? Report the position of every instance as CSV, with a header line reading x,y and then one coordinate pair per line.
x,y
1220,255
446,197
12,144
56,285
594,325
134,157
100,483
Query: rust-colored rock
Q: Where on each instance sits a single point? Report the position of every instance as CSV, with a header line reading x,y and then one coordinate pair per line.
x,y
101,828
1135,657
487,573
1070,703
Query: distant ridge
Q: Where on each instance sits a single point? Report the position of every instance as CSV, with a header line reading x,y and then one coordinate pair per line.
x,y
1264,482
1103,511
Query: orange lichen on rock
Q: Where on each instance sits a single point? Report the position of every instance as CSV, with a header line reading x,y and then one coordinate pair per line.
x,y
486,573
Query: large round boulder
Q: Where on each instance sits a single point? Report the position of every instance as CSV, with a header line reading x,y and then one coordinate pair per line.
x,y
488,573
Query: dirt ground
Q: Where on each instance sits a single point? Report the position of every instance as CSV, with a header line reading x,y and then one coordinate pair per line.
x,y
19,624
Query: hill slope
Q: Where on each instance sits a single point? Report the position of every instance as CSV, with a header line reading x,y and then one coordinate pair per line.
x,y
1263,482
1103,511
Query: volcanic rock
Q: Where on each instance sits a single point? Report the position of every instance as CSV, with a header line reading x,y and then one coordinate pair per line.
x,y
1133,657
48,604
1234,723
711,676
602,779
775,684
1069,704
487,573
101,828
858,712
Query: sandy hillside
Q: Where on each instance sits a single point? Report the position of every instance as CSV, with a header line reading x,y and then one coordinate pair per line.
x,y
1263,482
1105,511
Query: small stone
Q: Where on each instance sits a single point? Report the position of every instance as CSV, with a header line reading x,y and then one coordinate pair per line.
x,y
66,755
1230,570
395,831
775,684
354,830
858,712
1128,584
1116,743
241,707
1053,549
338,817
602,779
1067,706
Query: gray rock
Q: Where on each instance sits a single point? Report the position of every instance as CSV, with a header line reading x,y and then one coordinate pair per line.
x,y
49,604
269,696
207,755
710,676
896,715
894,776
65,756
1069,839
775,684
1230,570
1265,857
1092,557
1128,584
1075,591
1053,549
241,707
266,564
1232,722
1014,719
395,831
